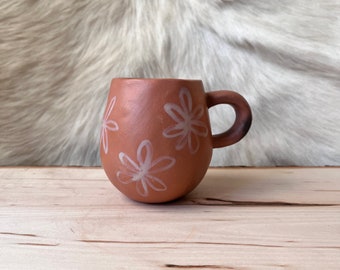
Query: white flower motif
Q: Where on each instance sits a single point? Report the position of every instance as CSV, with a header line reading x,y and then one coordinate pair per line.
x,y
188,126
141,172
108,125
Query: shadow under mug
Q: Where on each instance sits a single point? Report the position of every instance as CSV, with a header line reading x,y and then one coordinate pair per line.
x,y
156,142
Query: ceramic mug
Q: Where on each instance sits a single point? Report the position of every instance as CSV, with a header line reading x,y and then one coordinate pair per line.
x,y
156,141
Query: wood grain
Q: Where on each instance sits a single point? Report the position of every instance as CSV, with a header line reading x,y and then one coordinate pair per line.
x,y
238,218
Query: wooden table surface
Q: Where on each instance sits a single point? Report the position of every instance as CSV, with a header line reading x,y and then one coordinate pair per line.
x,y
238,218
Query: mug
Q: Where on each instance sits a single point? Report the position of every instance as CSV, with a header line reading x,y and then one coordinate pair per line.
x,y
156,142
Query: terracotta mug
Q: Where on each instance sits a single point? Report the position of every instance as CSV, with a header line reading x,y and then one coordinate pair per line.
x,y
156,141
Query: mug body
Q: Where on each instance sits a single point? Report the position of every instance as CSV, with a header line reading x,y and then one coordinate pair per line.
x,y
156,142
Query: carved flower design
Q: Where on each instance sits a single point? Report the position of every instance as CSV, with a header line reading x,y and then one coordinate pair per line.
x,y
143,170
188,125
108,125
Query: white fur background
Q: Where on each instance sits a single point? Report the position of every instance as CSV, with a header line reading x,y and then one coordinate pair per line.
x,y
57,59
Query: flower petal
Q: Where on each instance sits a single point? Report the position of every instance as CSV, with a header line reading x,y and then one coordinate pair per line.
x,y
185,100
175,112
182,141
198,112
125,178
111,125
162,164
174,131
156,183
142,188
199,128
194,143
110,107
144,155
128,162
105,140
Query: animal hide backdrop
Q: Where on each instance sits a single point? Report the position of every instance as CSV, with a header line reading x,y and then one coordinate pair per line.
x,y
57,59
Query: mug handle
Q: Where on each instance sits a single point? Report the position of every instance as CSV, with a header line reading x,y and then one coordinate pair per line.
x,y
242,121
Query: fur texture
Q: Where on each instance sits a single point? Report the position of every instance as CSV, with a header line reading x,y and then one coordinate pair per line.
x,y
58,58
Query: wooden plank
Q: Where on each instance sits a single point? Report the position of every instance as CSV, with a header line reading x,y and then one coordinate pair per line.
x,y
220,186
238,218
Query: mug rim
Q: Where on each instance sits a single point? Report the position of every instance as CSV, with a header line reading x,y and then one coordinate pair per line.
x,y
155,79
